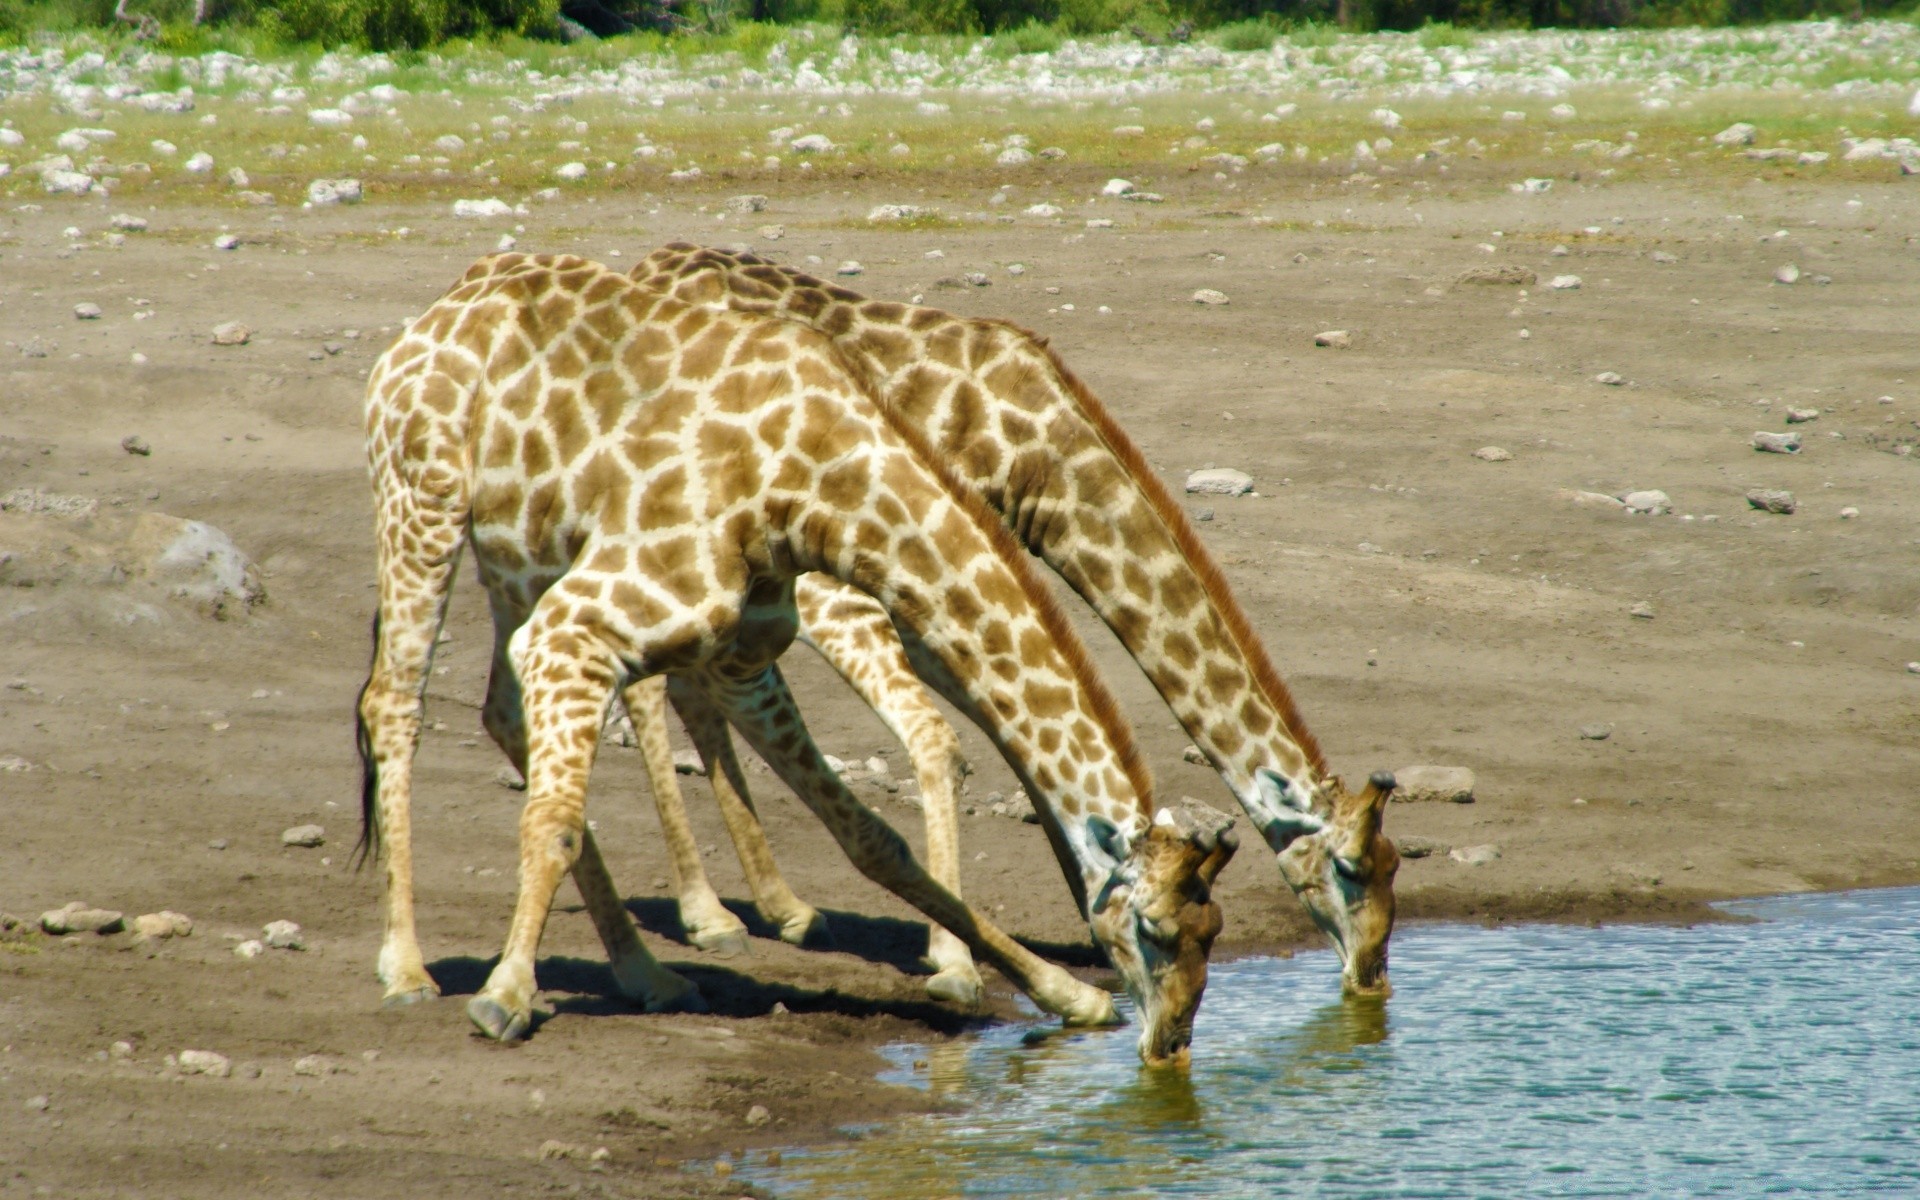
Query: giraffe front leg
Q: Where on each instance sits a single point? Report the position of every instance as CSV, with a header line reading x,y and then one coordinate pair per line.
x,y
566,687
852,631
764,712
708,924
800,923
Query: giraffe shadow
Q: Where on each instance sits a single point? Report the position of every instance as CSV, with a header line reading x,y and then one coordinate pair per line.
x,y
586,988
889,941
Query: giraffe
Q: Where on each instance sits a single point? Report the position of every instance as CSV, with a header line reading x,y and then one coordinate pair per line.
x,y
640,482
998,405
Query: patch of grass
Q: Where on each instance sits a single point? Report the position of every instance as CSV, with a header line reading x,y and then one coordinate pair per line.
x,y
1314,36
1437,34
1246,36
1031,38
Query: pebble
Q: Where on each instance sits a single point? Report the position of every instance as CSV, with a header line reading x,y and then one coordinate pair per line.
x,y
121,1049
86,312
199,164
1044,210
1773,500
203,1062
128,224
1849,513
318,1065
330,118
1117,187
1610,378
1334,339
1738,134
1597,731
1493,454
1663,258
773,233
553,1150
1194,755
66,183
1410,846
1209,296
1643,610
758,1116
226,241
1591,499
812,143
687,762
1014,156
1220,481
231,333
1776,443
1203,514
251,948
850,267
1652,501
1913,668
283,935
1788,274
38,1103
304,835
162,925
1475,856
570,171
217,844
136,445
1800,416
1425,783
324,193
77,916
1564,283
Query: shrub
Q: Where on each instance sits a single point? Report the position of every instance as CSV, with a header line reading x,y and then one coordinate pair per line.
x,y
402,24
1106,16
912,16
1031,38
1246,35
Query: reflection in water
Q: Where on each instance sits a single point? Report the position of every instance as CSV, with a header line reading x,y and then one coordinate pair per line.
x,y
1724,1060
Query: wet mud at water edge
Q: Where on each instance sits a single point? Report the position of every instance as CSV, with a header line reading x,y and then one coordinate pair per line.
x,y
1425,605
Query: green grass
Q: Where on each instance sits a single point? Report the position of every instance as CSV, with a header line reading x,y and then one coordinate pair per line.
x,y
1246,36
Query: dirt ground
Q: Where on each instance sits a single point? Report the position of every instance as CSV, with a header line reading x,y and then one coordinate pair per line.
x,y
1426,605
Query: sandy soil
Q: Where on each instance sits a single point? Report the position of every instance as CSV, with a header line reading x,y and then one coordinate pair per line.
x,y
1428,606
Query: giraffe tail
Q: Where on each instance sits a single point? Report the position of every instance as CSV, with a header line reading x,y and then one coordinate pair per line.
x,y
369,844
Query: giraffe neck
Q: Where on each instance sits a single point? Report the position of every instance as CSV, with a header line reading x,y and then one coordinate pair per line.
x,y
1020,430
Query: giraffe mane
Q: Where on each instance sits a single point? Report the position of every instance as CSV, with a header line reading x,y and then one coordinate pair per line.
x,y
1053,619
1265,675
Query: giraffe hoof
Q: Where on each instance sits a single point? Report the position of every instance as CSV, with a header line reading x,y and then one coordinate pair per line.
x,y
684,999
808,930
957,985
725,943
491,1018
410,997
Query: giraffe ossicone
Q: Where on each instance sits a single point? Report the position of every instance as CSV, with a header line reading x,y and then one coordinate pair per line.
x,y
641,482
1004,413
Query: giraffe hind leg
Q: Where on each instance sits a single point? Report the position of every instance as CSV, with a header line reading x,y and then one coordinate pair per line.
x,y
708,924
799,923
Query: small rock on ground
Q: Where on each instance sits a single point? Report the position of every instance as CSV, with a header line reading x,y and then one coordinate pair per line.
x,y
1220,481
1773,500
305,836
1651,501
1776,443
161,925
1643,610
1410,846
1475,856
88,311
135,444
77,916
1426,783
1597,731
758,1116
1610,378
1564,283
1510,276
1209,296
231,333
1334,339
283,935
203,1062
1493,454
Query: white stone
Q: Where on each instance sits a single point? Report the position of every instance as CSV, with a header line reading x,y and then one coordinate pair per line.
x,y
1334,339
571,171
283,935
1776,443
251,948
1564,283
1386,117
1493,454
88,311
1117,187
490,207
1474,856
1562,112
315,1065
324,193
226,241
1014,156
163,147
450,143
1788,274
12,137
1651,501
1209,296
899,212
745,204
1044,210
304,836
199,164
204,1062
162,925
1428,784
1532,187
1739,134
231,333
330,118
1219,481
1610,378
1849,513
849,267
67,183
812,143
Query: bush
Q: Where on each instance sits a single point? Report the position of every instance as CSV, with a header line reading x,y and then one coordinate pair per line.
x,y
1107,16
404,24
1246,35
882,17
1031,38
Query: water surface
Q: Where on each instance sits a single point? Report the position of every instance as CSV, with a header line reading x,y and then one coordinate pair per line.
x,y
1776,1058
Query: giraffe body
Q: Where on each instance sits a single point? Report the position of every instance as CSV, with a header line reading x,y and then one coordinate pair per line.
x,y
641,482
1017,427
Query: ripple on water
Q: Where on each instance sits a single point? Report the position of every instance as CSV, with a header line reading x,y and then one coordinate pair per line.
x,y
1778,1056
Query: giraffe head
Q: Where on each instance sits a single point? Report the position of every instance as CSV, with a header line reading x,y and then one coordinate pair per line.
x,y
1157,919
1342,867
